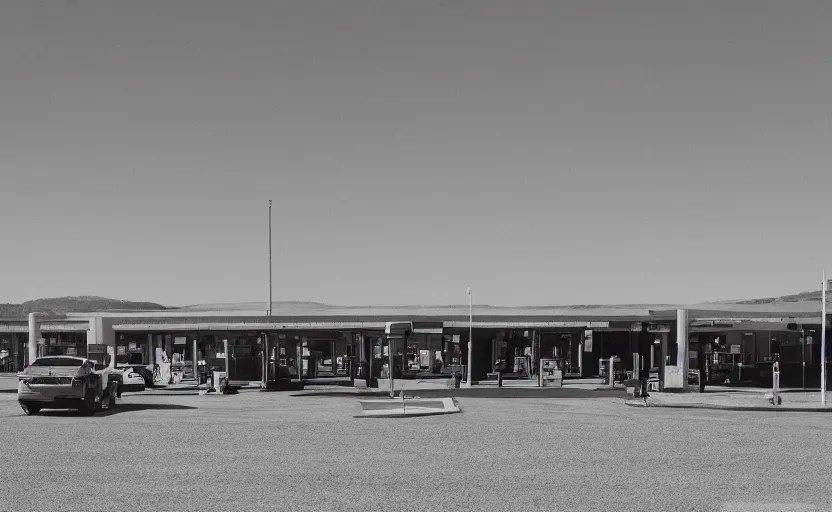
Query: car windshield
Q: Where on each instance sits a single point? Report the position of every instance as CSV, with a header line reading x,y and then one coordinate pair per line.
x,y
57,361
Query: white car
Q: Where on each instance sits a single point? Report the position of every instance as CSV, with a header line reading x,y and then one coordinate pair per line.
x,y
131,380
65,382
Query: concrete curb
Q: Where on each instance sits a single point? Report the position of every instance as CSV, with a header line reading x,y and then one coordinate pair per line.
x,y
740,408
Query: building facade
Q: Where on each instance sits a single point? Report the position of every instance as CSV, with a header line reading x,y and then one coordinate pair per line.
x,y
348,342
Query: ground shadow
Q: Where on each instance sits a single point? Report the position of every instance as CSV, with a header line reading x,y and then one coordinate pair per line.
x,y
120,408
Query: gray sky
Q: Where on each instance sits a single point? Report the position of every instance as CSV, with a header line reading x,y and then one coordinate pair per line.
x,y
540,152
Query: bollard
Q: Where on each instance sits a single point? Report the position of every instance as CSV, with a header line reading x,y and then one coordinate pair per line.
x,y
775,387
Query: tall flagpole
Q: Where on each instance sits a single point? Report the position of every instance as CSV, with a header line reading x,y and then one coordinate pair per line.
x,y
824,285
470,337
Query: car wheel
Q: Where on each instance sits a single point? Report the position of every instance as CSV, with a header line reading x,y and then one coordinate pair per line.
x,y
29,409
88,407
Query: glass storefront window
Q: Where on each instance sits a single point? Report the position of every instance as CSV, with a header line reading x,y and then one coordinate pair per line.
x,y
63,344
245,358
425,355
132,349
7,353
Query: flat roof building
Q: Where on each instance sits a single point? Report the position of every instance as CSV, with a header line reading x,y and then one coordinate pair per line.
x,y
317,340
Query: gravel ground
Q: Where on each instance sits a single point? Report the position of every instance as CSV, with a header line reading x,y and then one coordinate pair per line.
x,y
308,453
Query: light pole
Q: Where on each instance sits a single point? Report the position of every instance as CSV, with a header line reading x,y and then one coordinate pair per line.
x,y
803,356
269,306
470,337
824,286
264,335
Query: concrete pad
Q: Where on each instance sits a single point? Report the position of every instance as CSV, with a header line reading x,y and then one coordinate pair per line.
x,y
520,384
408,385
398,408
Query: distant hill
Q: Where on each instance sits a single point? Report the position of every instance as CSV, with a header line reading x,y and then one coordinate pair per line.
x,y
814,296
83,304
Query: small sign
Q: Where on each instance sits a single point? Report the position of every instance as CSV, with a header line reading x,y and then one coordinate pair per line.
x,y
658,328
180,340
96,349
131,346
587,340
121,350
736,349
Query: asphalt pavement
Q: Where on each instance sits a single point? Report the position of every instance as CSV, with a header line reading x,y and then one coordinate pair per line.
x,y
272,451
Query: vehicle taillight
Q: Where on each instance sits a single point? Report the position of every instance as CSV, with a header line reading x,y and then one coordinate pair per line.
x,y
77,381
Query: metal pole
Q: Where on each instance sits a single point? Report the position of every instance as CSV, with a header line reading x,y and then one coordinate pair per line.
x,y
227,362
195,363
803,356
390,365
269,307
823,342
265,360
470,336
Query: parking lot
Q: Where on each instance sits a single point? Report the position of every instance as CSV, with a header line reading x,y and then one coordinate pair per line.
x,y
271,451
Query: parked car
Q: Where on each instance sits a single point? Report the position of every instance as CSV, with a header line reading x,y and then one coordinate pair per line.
x,y
131,381
134,373
66,382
